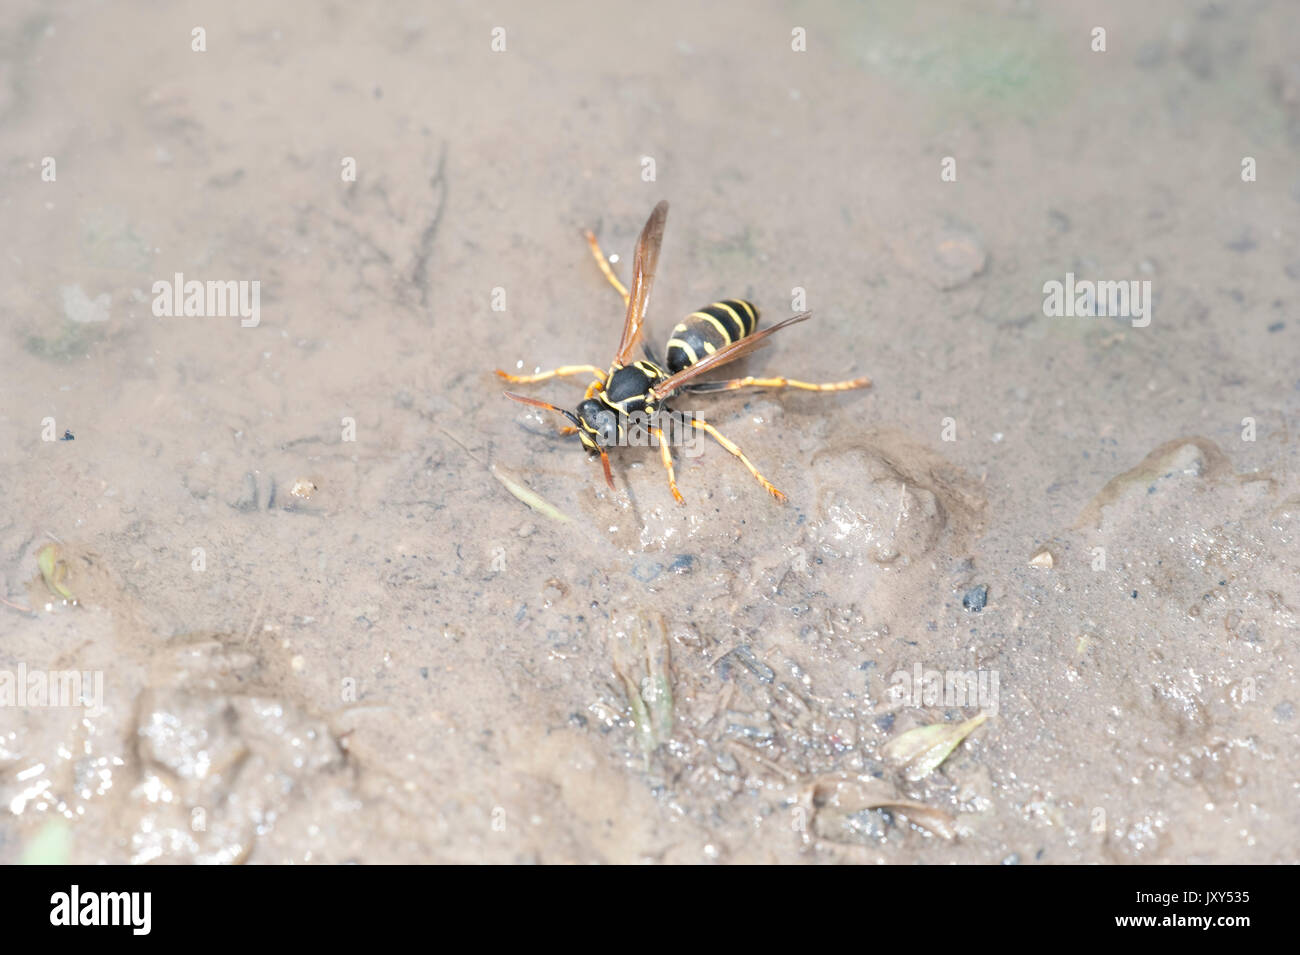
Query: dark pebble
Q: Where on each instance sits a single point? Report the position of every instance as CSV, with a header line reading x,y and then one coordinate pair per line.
x,y
976,598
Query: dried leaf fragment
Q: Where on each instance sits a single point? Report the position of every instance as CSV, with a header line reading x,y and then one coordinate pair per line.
x,y
921,751
841,796
54,570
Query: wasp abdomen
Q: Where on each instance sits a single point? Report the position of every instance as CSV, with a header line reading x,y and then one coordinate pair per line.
x,y
712,327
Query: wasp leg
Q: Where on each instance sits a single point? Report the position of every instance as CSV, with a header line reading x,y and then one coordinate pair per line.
x,y
733,384
667,456
730,446
605,266
568,429
560,372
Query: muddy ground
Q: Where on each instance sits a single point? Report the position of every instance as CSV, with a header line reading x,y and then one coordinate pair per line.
x,y
325,628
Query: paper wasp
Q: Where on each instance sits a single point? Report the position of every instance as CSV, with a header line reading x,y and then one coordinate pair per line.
x,y
708,339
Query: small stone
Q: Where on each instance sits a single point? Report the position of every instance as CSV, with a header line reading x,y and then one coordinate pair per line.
x,y
1043,559
976,598
682,564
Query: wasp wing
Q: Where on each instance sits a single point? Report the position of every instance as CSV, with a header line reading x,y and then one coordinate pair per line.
x,y
722,356
643,276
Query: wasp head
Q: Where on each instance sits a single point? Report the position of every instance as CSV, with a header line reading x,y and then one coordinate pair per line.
x,y
597,425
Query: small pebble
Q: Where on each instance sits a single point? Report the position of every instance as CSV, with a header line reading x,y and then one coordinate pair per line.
x,y
682,564
976,598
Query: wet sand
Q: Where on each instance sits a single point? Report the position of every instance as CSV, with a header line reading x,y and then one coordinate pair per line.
x,y
326,629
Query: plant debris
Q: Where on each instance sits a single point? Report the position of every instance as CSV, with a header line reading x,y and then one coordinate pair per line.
x,y
54,570
643,663
529,496
837,798
920,751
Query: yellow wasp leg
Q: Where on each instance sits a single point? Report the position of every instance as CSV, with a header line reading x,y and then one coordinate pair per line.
x,y
785,383
560,372
605,266
667,456
730,446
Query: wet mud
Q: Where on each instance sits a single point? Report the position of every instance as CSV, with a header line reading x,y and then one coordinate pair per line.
x,y
335,599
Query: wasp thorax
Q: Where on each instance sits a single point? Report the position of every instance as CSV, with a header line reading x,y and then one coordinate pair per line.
x,y
598,425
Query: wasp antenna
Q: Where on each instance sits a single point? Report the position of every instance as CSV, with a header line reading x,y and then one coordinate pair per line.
x,y
523,400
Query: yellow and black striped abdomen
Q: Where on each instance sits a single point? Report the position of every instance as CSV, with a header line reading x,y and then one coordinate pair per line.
x,y
711,328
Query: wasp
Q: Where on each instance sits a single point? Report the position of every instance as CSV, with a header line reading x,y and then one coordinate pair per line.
x,y
706,340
